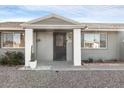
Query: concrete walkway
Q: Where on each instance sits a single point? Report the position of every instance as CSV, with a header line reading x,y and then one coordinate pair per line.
x,y
94,66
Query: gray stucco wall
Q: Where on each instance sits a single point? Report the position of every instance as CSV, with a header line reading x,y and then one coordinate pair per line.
x,y
69,46
121,43
112,51
44,46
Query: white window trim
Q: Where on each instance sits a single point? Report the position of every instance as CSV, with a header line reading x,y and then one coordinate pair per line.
x,y
9,47
99,47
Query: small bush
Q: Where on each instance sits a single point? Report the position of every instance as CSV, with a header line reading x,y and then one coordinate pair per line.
x,y
90,60
99,60
12,58
3,60
84,61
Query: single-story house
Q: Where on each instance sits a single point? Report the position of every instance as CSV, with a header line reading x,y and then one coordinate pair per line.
x,y
56,38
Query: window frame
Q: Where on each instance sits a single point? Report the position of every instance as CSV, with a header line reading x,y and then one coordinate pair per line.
x,y
82,47
13,42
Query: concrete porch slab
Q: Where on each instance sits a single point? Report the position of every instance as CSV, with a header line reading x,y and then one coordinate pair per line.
x,y
107,66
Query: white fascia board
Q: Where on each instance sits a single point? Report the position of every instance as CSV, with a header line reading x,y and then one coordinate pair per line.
x,y
103,29
53,26
5,28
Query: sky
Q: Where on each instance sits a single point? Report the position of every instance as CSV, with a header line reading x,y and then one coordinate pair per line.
x,y
84,13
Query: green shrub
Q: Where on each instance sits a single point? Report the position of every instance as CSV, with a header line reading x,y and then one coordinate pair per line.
x,y
100,60
90,60
12,58
3,60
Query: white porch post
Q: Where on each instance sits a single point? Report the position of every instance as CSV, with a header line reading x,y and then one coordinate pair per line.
x,y
28,44
77,47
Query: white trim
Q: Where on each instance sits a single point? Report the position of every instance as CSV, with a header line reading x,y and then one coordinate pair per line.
x,y
12,47
9,28
77,47
28,44
103,29
94,48
99,47
33,26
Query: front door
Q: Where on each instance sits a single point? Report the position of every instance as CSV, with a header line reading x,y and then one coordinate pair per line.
x,y
59,46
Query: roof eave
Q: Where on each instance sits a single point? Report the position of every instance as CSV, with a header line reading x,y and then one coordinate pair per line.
x,y
104,29
10,28
53,26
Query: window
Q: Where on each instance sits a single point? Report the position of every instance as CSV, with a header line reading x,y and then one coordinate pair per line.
x,y
12,40
59,40
94,40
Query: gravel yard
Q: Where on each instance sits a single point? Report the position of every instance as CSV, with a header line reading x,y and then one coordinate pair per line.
x,y
11,77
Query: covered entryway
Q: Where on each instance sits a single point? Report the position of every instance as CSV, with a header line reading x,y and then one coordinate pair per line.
x,y
54,38
53,45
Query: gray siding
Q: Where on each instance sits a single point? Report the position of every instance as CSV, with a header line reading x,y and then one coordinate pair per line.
x,y
112,51
121,43
53,21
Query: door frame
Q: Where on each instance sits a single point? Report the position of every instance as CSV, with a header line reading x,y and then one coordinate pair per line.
x,y
54,47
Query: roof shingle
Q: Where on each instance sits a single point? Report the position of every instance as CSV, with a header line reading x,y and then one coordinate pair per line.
x,y
11,25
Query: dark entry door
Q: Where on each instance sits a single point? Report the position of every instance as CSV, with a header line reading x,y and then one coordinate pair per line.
x,y
59,46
